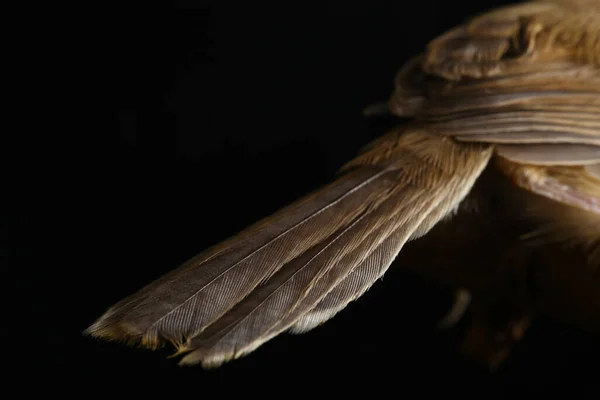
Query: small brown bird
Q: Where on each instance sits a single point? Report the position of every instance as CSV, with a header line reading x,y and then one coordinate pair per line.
x,y
504,133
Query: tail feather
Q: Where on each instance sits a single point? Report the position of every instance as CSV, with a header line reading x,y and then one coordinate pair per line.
x,y
228,301
187,300
272,308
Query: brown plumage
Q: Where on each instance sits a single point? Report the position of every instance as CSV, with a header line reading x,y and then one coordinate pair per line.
x,y
514,92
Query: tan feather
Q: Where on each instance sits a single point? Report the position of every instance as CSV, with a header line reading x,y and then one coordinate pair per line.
x,y
429,177
185,301
530,137
230,280
257,315
550,154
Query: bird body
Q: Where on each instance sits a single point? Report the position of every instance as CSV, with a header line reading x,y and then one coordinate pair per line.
x,y
514,92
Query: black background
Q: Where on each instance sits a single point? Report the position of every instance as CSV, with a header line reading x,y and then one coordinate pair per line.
x,y
208,117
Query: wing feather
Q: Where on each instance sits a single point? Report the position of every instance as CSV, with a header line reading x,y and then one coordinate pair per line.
x,y
550,154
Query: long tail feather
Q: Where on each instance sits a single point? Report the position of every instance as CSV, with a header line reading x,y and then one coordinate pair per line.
x,y
431,174
259,315
187,300
227,301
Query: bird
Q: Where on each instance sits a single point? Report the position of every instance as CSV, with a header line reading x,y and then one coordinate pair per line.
x,y
497,147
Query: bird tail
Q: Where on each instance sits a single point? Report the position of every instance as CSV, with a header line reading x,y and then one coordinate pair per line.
x,y
297,268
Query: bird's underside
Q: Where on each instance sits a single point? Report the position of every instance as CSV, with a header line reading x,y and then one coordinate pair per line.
x,y
511,100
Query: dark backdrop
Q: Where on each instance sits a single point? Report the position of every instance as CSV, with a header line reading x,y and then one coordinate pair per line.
x,y
212,116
